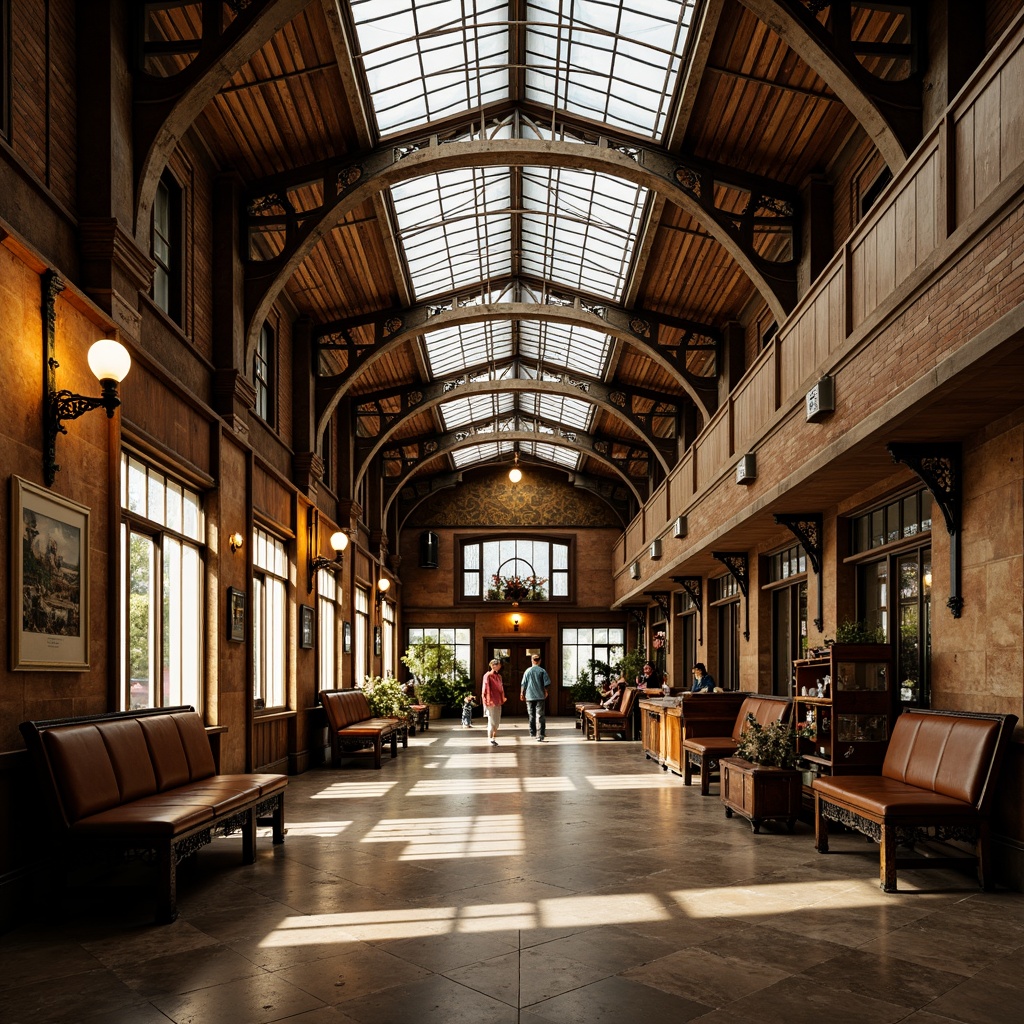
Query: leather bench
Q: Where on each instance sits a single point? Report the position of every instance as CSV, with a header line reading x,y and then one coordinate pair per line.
x,y
937,782
704,752
146,782
353,727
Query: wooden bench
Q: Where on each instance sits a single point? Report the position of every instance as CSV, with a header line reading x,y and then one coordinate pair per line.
x,y
704,752
598,720
938,781
353,727
145,782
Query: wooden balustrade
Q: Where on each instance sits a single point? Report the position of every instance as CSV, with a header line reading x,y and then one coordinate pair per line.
x,y
925,217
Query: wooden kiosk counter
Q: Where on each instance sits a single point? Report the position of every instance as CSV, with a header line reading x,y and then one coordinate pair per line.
x,y
666,722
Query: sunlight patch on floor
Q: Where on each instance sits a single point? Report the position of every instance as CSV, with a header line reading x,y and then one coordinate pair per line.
x,y
490,759
463,787
485,835
369,926
352,790
320,829
664,781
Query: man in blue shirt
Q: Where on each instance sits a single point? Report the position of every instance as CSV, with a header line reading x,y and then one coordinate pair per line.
x,y
534,691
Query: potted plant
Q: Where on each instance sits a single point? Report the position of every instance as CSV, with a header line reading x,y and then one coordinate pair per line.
x,y
386,697
432,663
762,781
630,665
584,689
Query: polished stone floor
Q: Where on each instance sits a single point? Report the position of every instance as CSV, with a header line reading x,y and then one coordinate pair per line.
x,y
550,883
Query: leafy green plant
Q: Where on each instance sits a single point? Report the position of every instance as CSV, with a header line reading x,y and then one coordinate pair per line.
x,y
386,697
433,664
630,664
456,687
851,632
584,689
772,745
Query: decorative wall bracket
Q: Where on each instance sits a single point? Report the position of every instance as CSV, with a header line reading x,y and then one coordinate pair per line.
x,y
939,468
739,568
807,528
663,600
694,586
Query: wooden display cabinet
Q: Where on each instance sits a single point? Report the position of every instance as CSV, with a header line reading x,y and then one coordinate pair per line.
x,y
844,708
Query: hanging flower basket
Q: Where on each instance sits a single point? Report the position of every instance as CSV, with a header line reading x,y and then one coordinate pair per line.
x,y
517,588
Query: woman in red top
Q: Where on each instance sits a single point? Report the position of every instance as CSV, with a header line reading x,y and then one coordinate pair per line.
x,y
492,695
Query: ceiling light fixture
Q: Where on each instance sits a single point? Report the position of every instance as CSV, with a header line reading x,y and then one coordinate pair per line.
x,y
515,474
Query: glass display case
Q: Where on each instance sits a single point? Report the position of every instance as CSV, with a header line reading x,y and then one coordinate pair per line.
x,y
844,709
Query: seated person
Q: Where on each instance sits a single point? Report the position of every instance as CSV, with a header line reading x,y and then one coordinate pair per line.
x,y
649,678
614,699
702,679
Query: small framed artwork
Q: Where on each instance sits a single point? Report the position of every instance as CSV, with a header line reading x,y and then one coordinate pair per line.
x,y
376,640
305,626
49,580
236,615
346,637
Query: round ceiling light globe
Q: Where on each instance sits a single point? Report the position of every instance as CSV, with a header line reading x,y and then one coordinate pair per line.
x,y
515,475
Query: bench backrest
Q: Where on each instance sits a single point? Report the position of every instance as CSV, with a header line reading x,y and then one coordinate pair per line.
x,y
955,754
625,707
764,708
345,707
92,764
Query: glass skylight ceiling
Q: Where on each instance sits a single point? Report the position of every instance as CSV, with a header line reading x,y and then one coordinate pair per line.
x,y
609,62
476,409
492,450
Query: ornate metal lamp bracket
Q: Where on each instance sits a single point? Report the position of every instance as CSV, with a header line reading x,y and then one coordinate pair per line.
x,y
739,568
939,467
639,616
807,528
694,586
662,599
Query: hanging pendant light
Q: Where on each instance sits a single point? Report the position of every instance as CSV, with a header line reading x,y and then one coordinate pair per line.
x,y
515,474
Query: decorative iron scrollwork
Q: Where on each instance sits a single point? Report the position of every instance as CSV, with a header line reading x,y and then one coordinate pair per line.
x,y
689,181
640,327
391,326
347,177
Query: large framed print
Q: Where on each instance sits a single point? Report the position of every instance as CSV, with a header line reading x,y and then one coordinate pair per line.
x,y
49,580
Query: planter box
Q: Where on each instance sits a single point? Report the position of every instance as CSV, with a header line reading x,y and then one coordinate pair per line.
x,y
760,793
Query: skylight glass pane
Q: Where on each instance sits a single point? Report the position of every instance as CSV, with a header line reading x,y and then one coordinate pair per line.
x,y
564,345
609,62
579,228
455,227
453,349
433,58
485,452
476,409
559,454
570,412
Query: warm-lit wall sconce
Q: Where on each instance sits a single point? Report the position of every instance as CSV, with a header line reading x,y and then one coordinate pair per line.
x,y
515,474
235,541
515,623
109,361
339,541
383,586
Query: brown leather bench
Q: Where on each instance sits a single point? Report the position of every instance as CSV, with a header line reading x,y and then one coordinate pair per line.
x,y
353,727
146,782
598,720
937,782
704,752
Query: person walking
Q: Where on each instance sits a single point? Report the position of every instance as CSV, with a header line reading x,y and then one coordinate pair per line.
x,y
492,694
534,691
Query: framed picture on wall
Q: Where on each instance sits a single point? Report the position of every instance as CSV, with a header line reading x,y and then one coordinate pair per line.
x,y
305,626
236,615
49,580
376,640
346,637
